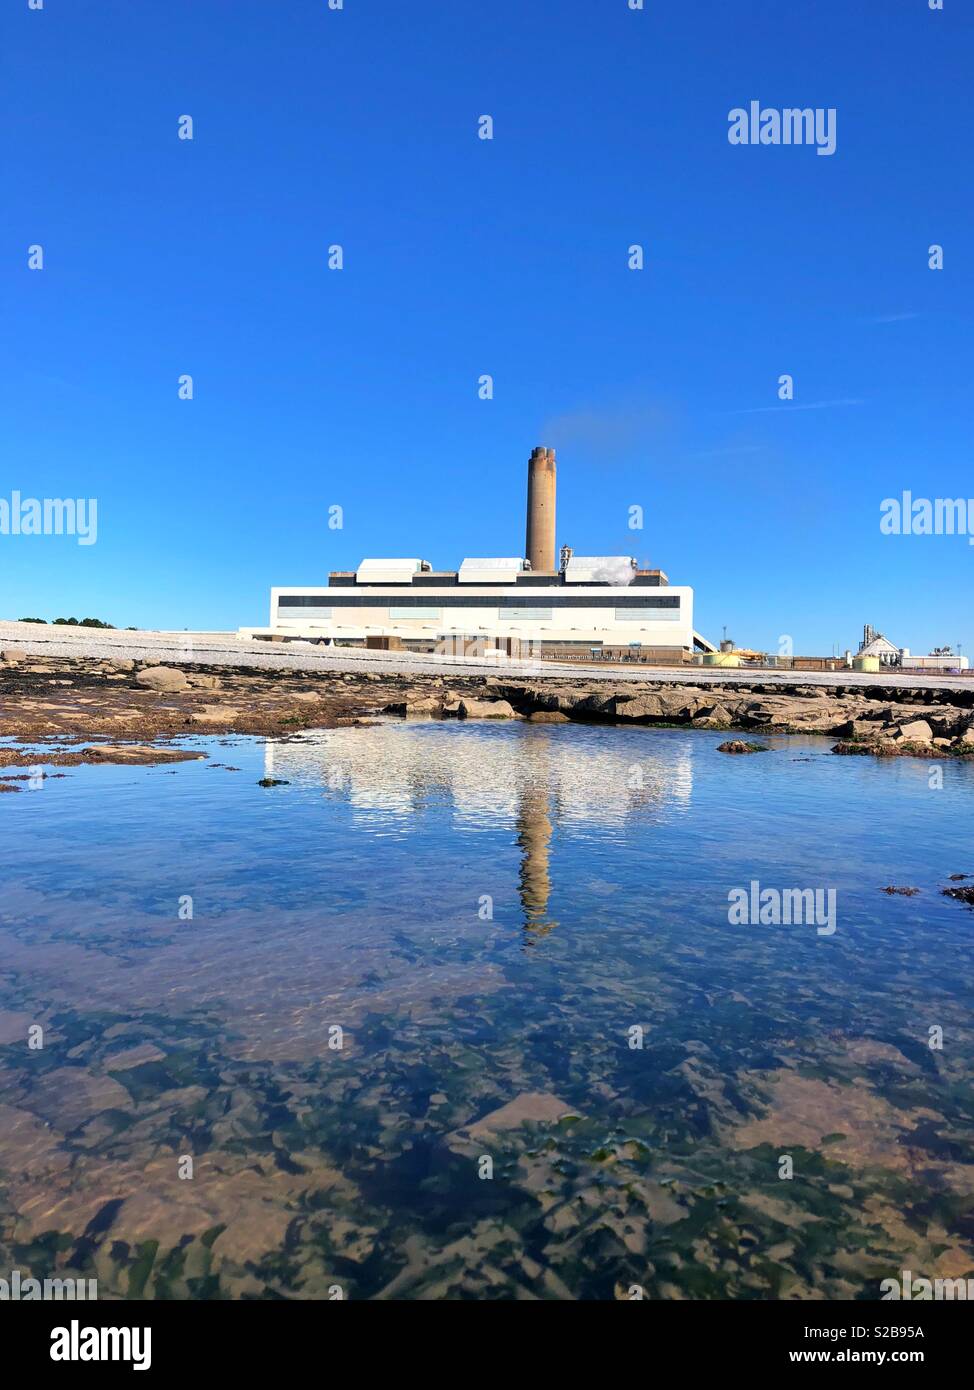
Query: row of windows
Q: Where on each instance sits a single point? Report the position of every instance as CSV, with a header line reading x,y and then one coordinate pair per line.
x,y
502,601
526,615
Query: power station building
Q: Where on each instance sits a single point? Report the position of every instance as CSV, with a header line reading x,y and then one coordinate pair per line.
x,y
582,605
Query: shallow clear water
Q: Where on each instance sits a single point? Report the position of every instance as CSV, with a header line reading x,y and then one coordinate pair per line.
x,y
486,913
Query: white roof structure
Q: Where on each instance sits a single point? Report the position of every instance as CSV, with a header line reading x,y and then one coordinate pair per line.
x,y
879,646
388,571
490,571
600,569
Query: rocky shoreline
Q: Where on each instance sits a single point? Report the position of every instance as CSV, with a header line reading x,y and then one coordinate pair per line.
x,y
879,721
67,700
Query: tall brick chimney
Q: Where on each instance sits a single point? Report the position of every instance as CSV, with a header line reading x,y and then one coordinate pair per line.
x,y
539,545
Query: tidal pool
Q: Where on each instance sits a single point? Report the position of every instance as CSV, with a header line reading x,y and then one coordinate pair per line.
x,y
458,1011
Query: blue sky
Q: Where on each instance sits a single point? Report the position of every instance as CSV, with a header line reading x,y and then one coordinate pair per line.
x,y
359,387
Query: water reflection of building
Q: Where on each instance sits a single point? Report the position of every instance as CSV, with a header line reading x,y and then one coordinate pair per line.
x,y
536,782
534,838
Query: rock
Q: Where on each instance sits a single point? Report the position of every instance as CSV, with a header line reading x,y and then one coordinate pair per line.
x,y
946,723
859,729
597,703
124,665
272,782
10,656
963,895
886,748
645,707
548,716
163,678
714,717
546,697
424,706
214,683
485,709
916,731
801,714
678,706
902,892
759,712
740,745
416,706
214,714
136,753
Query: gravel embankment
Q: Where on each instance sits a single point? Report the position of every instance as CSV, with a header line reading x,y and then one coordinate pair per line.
x,y
226,649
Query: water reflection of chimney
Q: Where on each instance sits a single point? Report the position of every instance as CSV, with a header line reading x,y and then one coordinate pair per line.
x,y
534,838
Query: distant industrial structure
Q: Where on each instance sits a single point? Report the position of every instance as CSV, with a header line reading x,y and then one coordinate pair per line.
x,y
583,605
875,647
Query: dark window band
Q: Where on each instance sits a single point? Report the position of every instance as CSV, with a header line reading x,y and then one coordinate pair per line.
x,y
404,600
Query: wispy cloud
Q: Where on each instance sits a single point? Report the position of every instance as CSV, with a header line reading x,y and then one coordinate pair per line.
x,y
608,432
812,405
891,318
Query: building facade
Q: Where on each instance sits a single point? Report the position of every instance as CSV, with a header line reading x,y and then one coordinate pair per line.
x,y
586,606
491,601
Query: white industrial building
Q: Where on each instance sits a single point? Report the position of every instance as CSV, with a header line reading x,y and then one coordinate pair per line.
x,y
588,604
942,659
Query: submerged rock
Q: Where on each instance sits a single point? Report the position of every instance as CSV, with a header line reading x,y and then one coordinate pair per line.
x,y
742,745
886,748
548,716
136,753
272,782
963,895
